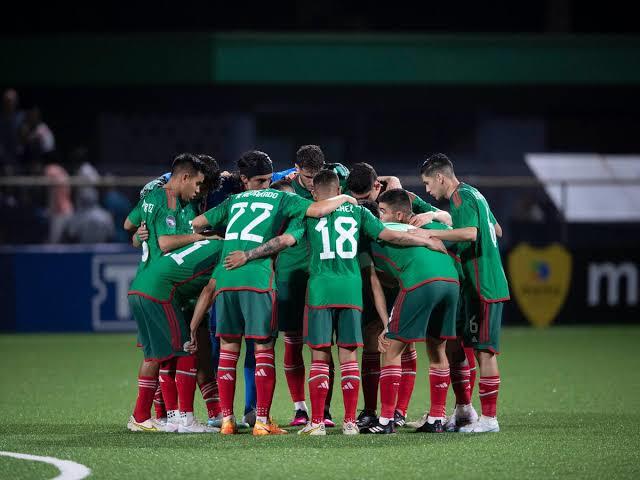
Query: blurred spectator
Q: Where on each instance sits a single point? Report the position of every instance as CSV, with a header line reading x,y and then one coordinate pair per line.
x,y
38,140
60,207
10,124
90,223
118,205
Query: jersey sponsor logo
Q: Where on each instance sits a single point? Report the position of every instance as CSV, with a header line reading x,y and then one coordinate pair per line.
x,y
540,279
613,277
171,221
111,277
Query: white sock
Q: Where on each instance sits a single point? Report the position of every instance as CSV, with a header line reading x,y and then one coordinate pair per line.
x,y
173,416
300,406
186,417
384,420
261,419
431,420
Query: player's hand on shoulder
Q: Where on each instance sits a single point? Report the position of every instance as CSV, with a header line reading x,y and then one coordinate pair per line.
x,y
235,259
422,219
351,200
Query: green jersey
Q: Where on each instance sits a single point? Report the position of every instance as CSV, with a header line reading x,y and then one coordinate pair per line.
x,y
334,270
182,273
418,205
253,218
481,262
294,258
337,168
413,266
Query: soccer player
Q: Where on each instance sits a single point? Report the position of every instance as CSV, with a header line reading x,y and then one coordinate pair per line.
x,y
425,309
309,161
157,299
476,232
334,299
245,296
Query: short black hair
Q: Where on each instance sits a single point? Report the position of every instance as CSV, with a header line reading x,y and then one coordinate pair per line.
x,y
325,178
282,185
373,207
361,178
187,162
212,180
310,157
252,159
398,199
436,163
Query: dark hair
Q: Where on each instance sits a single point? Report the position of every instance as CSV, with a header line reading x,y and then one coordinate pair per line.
x,y
189,163
282,185
253,163
212,180
361,178
325,178
436,163
398,199
310,157
373,207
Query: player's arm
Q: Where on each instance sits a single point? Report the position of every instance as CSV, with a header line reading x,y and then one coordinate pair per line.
x,y
238,258
498,230
391,181
414,238
203,305
141,235
168,243
465,234
325,207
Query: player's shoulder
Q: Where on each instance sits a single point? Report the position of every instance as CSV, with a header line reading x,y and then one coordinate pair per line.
x,y
160,197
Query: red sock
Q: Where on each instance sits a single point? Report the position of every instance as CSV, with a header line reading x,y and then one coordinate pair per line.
x,y
294,367
439,385
350,389
168,384
186,368
390,377
211,398
146,390
265,380
488,391
370,380
460,375
318,389
227,380
158,403
332,376
471,358
409,364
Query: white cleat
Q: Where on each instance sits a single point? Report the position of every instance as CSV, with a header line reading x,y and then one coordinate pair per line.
x,y
189,424
146,426
420,422
313,429
462,415
483,425
159,423
350,428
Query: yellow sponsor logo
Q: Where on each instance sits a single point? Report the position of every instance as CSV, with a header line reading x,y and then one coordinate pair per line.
x,y
540,279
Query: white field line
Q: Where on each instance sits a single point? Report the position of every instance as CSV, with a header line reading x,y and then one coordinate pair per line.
x,y
68,470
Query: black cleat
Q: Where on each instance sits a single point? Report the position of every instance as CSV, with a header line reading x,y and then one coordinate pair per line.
x,y
366,419
399,420
379,429
435,427
301,418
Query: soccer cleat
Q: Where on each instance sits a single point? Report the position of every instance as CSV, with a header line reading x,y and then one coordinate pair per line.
x,y
173,421
189,424
350,428
146,426
328,420
301,418
248,419
269,428
418,423
160,423
380,429
435,427
399,420
462,415
312,429
483,425
229,426
215,421
366,419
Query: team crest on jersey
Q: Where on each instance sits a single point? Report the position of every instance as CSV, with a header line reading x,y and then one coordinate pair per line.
x,y
171,221
540,279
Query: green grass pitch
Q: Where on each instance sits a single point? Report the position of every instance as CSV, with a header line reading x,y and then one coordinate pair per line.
x,y
569,408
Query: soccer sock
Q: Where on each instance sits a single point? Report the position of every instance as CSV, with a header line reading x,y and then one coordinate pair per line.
x,y
158,403
294,367
471,359
332,376
146,390
186,368
227,380
389,383
318,389
370,380
439,385
250,392
350,389
211,398
488,392
409,365
460,376
168,384
265,382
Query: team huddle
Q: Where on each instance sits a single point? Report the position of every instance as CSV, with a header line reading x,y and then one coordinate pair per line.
x,y
329,257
